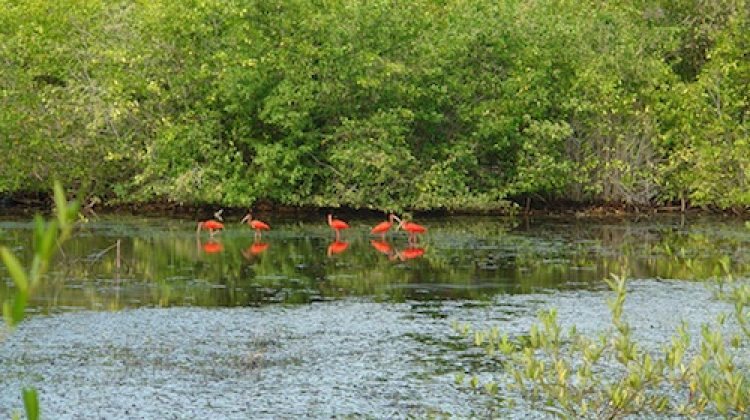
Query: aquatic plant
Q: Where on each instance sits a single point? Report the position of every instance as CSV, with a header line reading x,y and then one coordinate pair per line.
x,y
612,376
48,236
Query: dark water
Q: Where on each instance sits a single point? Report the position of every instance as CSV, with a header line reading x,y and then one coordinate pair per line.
x,y
163,263
287,326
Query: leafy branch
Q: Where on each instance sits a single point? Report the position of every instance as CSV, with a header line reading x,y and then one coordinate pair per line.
x,y
48,237
611,376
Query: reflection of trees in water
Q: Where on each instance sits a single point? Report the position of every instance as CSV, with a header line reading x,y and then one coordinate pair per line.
x,y
471,258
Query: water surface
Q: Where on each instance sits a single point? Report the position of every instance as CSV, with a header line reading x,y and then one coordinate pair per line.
x,y
295,324
163,263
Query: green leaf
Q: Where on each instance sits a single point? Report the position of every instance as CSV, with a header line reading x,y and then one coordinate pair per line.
x,y
17,273
47,243
18,308
8,313
31,403
61,204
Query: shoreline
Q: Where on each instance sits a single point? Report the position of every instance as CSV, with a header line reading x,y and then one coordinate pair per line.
x,y
25,204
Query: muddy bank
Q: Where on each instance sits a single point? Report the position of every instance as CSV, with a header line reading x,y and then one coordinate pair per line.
x,y
30,203
350,357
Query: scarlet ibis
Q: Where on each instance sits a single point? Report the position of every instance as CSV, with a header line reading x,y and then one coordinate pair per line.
x,y
413,229
337,225
255,224
337,247
212,225
383,227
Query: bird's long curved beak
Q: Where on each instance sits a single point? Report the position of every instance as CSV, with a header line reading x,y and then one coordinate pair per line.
x,y
244,219
217,215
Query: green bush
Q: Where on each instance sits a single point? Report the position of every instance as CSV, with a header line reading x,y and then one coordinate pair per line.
x,y
426,105
611,376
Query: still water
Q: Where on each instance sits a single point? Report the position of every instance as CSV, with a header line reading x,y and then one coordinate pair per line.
x,y
298,324
164,263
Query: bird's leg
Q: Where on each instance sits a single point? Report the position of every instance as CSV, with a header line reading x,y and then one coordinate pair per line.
x,y
338,236
257,235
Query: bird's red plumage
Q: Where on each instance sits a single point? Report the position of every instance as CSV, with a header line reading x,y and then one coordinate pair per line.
x,y
337,224
381,227
412,227
212,225
258,225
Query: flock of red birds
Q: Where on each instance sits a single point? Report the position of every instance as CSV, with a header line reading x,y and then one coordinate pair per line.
x,y
336,247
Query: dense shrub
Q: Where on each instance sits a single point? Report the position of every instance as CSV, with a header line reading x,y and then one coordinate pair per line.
x,y
385,105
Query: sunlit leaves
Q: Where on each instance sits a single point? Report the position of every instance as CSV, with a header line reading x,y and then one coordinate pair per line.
x,y
234,101
613,377
47,236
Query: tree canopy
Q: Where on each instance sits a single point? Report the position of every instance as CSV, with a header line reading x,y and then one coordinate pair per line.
x,y
421,104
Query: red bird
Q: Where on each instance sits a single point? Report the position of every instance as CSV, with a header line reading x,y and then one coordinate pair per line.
x,y
337,225
211,225
383,227
255,224
413,229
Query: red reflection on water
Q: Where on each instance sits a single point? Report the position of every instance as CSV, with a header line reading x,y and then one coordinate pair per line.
x,y
213,247
410,253
255,249
259,247
382,246
337,247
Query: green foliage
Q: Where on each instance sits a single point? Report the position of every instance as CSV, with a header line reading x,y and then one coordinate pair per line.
x,y
31,403
611,376
705,128
388,105
48,236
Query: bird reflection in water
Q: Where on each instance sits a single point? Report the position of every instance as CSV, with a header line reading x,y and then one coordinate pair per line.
x,y
212,247
255,249
337,247
410,253
382,246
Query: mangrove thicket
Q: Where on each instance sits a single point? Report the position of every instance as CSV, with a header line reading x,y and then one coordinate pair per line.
x,y
419,104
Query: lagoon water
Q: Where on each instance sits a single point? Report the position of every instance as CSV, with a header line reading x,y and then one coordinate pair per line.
x,y
295,324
